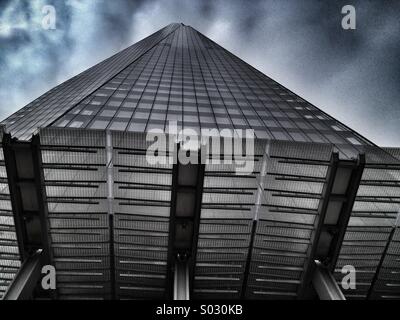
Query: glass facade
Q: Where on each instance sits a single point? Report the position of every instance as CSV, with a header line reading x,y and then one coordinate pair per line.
x,y
180,75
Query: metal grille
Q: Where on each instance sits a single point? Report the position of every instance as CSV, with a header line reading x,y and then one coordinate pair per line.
x,y
283,195
74,166
387,285
142,196
295,175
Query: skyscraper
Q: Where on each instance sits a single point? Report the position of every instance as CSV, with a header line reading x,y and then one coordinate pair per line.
x,y
78,193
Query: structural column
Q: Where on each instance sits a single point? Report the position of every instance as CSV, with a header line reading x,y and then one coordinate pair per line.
x,y
181,280
325,284
186,197
338,196
28,198
110,203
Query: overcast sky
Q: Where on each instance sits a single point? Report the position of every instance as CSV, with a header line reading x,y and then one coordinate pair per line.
x,y
354,75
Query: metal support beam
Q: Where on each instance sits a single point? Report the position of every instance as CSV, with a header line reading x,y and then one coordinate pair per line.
x,y
41,199
181,281
15,196
196,221
23,163
325,284
25,281
304,288
110,198
338,196
186,197
246,272
259,196
344,217
113,293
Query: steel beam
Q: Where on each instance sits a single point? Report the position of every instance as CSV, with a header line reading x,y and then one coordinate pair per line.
x,y
303,291
42,199
325,284
345,213
181,281
196,221
246,272
186,197
338,197
171,234
23,163
259,196
26,279
15,196
110,198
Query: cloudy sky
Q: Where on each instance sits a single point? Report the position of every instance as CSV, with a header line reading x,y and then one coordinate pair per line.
x,y
354,75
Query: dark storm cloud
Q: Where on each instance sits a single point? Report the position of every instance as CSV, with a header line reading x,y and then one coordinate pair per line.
x,y
32,60
116,16
353,75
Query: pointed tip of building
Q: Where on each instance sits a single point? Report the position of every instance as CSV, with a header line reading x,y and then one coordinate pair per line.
x,y
180,23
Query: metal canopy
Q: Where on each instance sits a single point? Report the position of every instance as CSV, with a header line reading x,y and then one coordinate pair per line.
x,y
258,235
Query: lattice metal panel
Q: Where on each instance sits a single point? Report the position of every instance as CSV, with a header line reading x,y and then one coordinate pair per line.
x,y
142,196
9,252
141,244
225,229
221,258
74,165
289,205
387,285
294,181
279,254
395,152
362,248
286,207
